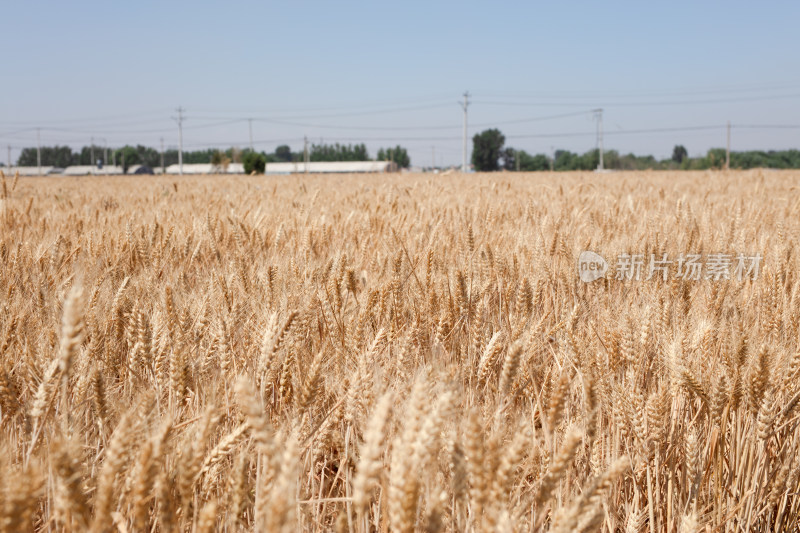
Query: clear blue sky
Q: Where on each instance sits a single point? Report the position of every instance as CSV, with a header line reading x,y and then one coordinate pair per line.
x,y
392,73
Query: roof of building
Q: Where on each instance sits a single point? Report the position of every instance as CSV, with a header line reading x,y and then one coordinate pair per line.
x,y
30,171
292,168
206,168
330,166
91,170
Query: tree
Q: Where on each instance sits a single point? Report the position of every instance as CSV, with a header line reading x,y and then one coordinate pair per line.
x,y
398,154
339,152
532,163
487,147
52,156
588,161
565,160
127,156
220,161
679,153
509,156
716,158
254,162
283,153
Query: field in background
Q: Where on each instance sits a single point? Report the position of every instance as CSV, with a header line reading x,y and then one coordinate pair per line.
x,y
403,352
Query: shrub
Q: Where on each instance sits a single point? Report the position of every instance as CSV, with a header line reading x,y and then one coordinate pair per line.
x,y
254,163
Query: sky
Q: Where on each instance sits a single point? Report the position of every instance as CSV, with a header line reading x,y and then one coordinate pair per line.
x,y
388,73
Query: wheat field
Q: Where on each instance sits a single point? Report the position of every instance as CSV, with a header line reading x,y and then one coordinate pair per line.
x,y
396,353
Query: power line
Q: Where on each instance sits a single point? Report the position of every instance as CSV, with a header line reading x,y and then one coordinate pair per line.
x,y
426,128
125,131
104,118
360,107
678,92
768,126
357,128
535,119
521,136
623,132
644,103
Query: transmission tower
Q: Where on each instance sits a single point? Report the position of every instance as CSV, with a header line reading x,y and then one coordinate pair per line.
x,y
464,106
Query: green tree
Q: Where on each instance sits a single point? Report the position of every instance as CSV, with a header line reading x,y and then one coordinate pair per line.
x,y
339,152
589,160
487,147
532,163
52,156
611,159
198,157
254,162
509,156
566,160
283,153
398,154
85,157
679,153
715,158
127,156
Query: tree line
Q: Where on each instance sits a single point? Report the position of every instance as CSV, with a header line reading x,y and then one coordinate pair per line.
x,y
489,154
127,156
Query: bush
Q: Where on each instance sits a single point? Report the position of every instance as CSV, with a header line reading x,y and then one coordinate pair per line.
x,y
254,162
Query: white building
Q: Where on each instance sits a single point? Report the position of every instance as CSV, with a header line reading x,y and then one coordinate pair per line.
x,y
30,171
92,170
206,168
327,167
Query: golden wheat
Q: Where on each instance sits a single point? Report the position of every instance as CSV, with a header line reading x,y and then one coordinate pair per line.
x,y
397,353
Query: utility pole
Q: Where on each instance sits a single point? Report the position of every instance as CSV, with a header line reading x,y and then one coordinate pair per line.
x,y
305,153
553,158
9,156
163,170
433,152
250,123
464,155
179,120
92,160
728,149
39,150
598,113
105,156
516,158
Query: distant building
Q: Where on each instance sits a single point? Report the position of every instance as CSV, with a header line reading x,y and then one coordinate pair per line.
x,y
315,167
91,170
328,167
206,168
31,171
